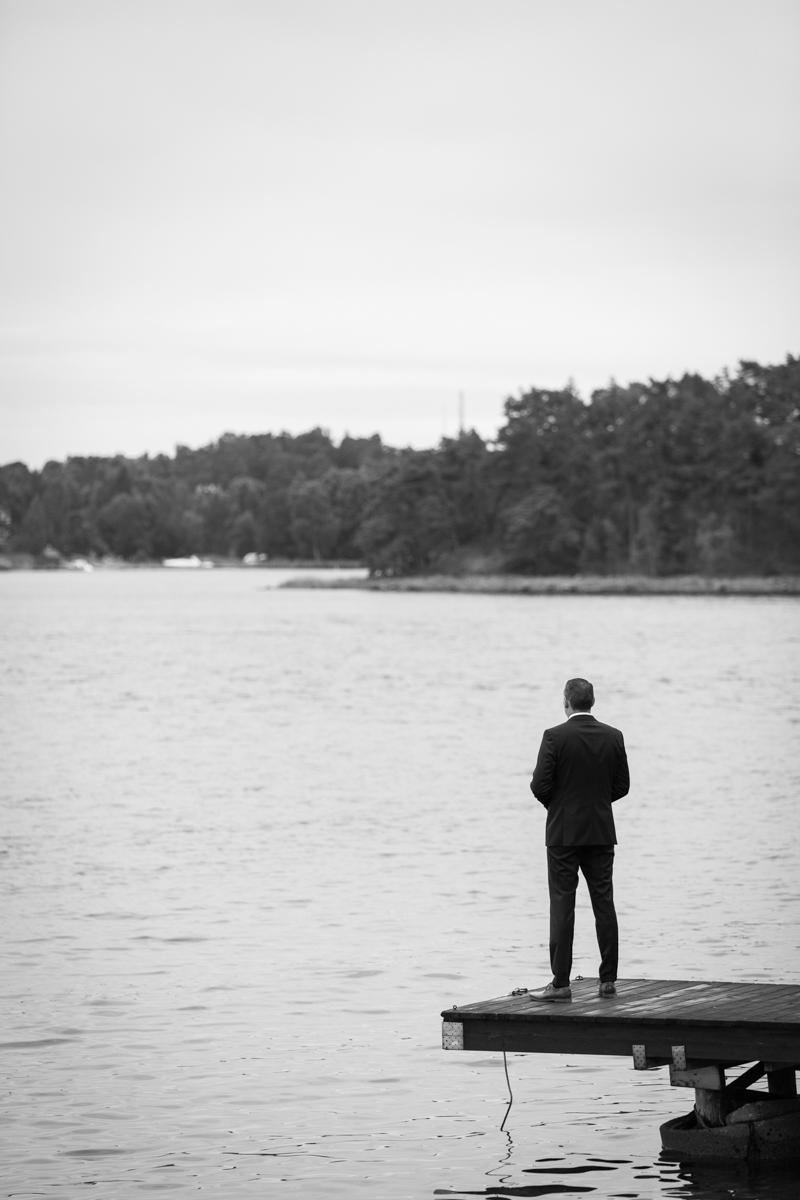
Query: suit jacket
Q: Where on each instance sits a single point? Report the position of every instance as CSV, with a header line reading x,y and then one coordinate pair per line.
x,y
581,770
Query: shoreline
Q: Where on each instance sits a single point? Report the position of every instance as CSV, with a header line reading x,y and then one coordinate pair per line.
x,y
489,584
30,562
568,585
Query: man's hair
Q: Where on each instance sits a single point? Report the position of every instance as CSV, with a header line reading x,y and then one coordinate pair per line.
x,y
579,693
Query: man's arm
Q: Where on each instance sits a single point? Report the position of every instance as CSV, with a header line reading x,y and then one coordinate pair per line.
x,y
622,779
544,773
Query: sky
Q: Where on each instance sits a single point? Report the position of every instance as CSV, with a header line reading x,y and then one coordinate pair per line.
x,y
382,216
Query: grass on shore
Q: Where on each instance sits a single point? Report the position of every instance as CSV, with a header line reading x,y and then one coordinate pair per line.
x,y
569,585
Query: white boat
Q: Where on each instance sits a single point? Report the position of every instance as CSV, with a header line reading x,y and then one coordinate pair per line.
x,y
190,563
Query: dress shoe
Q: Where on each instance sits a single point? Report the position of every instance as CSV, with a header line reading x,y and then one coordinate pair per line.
x,y
609,988
553,994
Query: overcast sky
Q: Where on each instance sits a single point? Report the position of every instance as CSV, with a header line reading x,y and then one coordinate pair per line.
x,y
256,215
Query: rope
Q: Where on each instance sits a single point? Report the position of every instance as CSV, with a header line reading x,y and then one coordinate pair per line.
x,y
510,1093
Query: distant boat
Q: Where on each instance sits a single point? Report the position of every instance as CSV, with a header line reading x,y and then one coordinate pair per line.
x,y
190,563
78,564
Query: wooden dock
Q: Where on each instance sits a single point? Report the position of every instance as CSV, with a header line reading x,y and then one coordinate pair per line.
x,y
656,1021
719,1023
699,1030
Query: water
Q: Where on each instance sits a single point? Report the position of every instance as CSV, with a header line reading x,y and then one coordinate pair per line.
x,y
255,840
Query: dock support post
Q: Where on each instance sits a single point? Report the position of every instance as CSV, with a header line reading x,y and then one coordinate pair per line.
x,y
781,1080
708,1081
709,1107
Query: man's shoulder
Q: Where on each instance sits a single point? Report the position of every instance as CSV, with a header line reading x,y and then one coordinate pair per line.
x,y
562,730
572,726
609,728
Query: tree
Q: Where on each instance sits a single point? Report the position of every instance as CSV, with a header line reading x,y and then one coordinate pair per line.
x,y
244,534
314,525
540,534
5,529
124,526
464,466
408,523
543,442
346,490
34,533
18,487
763,439
543,479
213,507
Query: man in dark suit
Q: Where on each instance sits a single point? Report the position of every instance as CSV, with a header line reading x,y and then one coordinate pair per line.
x,y
581,770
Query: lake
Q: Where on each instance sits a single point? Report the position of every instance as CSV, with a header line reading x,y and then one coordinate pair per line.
x,y
254,840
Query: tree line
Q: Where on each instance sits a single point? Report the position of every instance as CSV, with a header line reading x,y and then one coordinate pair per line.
x,y
665,477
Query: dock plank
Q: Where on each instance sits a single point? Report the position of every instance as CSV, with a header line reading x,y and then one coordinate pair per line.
x,y
714,1021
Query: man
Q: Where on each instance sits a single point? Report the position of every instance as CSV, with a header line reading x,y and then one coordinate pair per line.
x,y
581,770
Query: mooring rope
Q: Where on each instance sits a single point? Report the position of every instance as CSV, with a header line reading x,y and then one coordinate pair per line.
x,y
510,1093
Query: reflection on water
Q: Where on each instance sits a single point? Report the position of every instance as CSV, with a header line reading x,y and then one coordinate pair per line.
x,y
551,1172
254,841
661,1178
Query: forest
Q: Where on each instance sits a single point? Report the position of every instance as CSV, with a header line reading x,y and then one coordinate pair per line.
x,y
680,476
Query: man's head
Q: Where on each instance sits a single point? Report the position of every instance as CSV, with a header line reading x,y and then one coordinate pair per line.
x,y
578,695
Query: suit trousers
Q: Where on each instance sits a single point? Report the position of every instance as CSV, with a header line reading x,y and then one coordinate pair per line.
x,y
597,865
